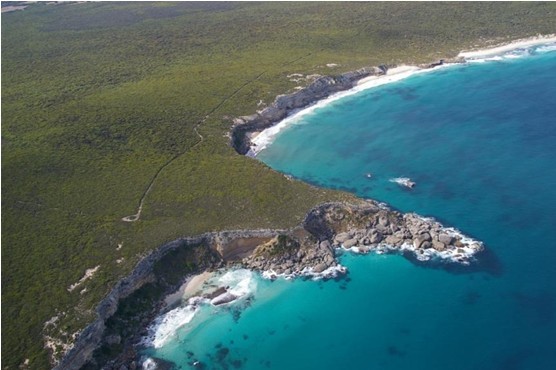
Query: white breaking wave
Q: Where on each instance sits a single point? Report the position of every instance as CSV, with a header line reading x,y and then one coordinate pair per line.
x,y
517,53
329,273
149,364
403,181
241,282
165,326
267,136
546,48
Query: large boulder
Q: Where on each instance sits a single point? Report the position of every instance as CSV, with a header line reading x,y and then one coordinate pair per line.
x,y
342,237
320,267
350,243
439,246
420,240
393,240
445,238
376,237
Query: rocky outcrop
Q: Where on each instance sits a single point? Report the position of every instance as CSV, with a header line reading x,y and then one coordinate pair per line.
x,y
455,60
320,88
292,254
363,228
373,226
283,105
309,249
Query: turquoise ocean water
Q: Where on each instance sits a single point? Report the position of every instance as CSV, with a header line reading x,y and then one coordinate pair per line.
x,y
480,142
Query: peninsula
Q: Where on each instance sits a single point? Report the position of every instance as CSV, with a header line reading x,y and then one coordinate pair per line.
x,y
119,177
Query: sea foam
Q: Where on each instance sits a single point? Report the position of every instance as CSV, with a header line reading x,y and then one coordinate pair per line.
x,y
267,136
239,283
166,325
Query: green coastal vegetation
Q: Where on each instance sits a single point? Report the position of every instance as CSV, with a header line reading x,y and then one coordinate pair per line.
x,y
101,100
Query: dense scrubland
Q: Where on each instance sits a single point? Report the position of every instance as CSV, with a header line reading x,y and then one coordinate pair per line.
x,y
101,100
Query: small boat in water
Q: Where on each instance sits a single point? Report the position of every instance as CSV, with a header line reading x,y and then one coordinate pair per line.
x,y
404,181
368,175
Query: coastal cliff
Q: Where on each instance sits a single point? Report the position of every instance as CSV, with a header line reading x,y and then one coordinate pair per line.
x,y
319,89
310,249
283,105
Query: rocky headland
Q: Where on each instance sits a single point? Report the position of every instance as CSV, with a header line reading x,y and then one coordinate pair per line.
x,y
320,88
310,249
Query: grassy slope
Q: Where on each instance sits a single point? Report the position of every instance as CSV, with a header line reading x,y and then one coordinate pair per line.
x,y
97,97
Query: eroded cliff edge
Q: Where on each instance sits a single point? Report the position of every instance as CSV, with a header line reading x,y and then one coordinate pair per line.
x,y
319,89
310,249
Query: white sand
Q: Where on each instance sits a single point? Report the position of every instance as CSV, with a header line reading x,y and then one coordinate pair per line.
x,y
524,43
12,8
192,286
195,284
393,74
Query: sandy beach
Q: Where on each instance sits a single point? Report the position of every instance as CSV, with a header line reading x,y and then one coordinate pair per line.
x,y
188,289
523,43
393,74
263,138
195,284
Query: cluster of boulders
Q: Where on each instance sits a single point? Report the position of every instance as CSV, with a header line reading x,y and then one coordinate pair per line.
x,y
424,237
290,256
360,228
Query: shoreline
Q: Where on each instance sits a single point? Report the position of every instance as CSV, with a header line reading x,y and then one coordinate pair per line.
x,y
307,250
257,131
371,229
226,250
513,45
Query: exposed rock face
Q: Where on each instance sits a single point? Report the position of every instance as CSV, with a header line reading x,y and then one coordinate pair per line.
x,y
360,228
371,226
290,254
305,250
319,89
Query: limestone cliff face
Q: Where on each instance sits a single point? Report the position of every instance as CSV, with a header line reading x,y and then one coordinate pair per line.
x,y
307,249
91,337
213,249
319,89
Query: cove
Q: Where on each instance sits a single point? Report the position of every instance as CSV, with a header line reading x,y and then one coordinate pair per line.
x,y
479,140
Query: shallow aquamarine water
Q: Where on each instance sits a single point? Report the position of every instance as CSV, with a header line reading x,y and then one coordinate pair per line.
x,y
480,142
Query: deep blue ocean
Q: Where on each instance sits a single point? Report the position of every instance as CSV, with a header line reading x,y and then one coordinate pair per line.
x,y
480,142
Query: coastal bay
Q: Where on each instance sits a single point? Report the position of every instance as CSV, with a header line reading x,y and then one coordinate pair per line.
x,y
133,113
260,256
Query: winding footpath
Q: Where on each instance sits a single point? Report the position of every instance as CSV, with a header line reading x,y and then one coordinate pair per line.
x,y
137,216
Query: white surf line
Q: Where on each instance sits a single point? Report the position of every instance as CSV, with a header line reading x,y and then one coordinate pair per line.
x,y
517,44
267,136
